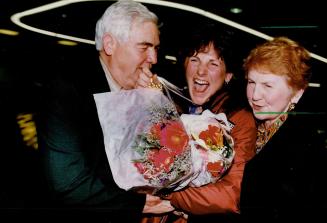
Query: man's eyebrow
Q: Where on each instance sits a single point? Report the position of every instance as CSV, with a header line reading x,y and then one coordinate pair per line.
x,y
148,44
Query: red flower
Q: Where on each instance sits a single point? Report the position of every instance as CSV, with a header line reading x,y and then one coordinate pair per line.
x,y
174,137
140,167
215,168
213,137
155,130
161,159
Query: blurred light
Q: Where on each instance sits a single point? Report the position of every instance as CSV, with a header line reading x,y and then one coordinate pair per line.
x,y
16,18
236,10
168,57
27,127
43,8
67,43
8,32
314,85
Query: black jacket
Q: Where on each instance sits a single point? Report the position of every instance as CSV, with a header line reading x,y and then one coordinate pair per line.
x,y
286,181
72,145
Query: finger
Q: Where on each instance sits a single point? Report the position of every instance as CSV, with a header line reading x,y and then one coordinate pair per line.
x,y
147,71
143,81
141,84
144,77
181,214
155,79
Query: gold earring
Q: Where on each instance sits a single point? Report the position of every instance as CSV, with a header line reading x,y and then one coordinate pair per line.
x,y
291,107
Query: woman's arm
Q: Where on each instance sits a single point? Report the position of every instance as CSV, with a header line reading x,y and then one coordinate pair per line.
x,y
223,196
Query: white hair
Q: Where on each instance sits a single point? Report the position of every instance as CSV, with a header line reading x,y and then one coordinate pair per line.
x,y
118,20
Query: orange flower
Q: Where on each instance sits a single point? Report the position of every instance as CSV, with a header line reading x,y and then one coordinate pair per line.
x,y
174,137
213,137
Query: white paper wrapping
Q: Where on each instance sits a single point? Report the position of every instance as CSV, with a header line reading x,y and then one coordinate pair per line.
x,y
124,115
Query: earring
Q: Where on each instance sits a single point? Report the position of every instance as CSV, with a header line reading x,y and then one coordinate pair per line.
x,y
291,107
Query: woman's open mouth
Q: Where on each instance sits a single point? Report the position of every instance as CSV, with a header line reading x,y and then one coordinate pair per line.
x,y
200,86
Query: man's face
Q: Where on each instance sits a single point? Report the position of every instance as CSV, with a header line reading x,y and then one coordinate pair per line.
x,y
130,57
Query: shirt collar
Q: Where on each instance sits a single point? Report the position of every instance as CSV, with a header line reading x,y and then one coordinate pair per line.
x,y
114,86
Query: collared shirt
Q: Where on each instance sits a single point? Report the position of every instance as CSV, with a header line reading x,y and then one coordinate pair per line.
x,y
195,109
114,86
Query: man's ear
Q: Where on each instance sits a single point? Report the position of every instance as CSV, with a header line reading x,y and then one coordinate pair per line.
x,y
298,94
109,43
228,77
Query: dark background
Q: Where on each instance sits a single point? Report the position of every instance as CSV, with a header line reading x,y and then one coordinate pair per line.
x,y
27,61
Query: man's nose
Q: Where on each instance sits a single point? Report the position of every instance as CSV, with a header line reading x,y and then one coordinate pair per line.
x,y
152,56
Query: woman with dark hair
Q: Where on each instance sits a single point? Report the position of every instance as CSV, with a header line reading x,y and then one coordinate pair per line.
x,y
209,68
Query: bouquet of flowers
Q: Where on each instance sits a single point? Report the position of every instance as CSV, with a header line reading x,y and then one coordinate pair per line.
x,y
150,147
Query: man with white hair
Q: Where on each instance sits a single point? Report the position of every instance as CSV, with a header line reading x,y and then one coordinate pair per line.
x,y
70,136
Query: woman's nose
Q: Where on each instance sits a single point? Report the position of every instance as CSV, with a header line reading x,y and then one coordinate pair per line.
x,y
256,93
202,69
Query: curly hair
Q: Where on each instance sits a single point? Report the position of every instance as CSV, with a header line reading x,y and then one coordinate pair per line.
x,y
281,56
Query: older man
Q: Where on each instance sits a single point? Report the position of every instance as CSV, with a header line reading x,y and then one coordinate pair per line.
x,y
127,39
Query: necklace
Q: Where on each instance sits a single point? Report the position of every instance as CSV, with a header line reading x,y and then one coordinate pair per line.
x,y
264,134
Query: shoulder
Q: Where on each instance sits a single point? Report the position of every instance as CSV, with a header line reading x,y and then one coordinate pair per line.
x,y
243,117
244,134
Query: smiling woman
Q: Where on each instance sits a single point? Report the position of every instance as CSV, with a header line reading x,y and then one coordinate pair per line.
x,y
209,60
205,74
278,182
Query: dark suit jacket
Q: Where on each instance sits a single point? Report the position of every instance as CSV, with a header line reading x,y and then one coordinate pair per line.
x,y
71,142
286,180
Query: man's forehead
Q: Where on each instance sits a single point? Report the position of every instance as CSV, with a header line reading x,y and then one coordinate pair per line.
x,y
146,33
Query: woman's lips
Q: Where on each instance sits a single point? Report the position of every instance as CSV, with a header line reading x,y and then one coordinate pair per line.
x,y
256,107
200,85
